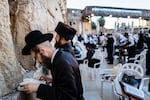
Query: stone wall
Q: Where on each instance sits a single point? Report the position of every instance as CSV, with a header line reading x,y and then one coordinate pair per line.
x,y
10,70
17,18
30,15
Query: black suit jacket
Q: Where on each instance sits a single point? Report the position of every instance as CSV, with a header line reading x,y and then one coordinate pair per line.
x,y
66,79
147,41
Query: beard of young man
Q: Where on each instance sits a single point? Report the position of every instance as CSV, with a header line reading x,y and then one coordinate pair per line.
x,y
57,45
46,61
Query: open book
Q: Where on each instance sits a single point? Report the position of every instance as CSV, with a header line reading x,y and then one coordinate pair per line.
x,y
133,91
27,81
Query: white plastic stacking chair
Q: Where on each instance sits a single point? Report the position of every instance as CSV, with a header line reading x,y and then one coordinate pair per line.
x,y
84,70
138,55
93,72
130,69
145,85
133,69
108,75
140,59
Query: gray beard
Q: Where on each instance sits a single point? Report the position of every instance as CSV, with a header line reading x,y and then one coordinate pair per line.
x,y
46,61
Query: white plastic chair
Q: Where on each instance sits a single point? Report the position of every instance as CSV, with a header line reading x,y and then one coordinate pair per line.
x,y
138,55
140,59
84,70
144,85
129,69
93,72
133,69
108,75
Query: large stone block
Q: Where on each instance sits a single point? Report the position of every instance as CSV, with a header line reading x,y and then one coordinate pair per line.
x,y
31,15
10,70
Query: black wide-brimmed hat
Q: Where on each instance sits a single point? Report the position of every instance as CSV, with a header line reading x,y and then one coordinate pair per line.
x,y
65,31
33,38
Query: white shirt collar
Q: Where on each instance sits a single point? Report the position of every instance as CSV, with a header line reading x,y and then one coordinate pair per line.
x,y
54,55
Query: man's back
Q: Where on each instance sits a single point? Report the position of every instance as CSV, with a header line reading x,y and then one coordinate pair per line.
x,y
66,75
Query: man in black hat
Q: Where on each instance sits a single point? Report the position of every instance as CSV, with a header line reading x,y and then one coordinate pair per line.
x,y
66,82
64,36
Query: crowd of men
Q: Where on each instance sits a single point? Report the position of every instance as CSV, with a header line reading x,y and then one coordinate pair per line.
x,y
120,44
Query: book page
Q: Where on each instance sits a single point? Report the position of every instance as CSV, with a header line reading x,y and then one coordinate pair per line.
x,y
133,90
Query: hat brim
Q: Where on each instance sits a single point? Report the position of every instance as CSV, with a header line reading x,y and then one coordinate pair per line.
x,y
44,37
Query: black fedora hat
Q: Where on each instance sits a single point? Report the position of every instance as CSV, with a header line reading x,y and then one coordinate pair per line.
x,y
65,31
33,38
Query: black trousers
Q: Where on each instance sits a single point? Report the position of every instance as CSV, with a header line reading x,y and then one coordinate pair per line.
x,y
148,63
91,63
110,54
131,51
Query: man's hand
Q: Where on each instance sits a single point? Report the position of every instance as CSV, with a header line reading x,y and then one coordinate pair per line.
x,y
31,87
46,79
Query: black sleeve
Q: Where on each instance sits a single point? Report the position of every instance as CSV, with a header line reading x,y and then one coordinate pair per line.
x,y
46,92
64,87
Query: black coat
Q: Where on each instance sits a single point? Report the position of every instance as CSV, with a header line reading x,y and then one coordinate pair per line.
x,y
66,79
147,41
67,47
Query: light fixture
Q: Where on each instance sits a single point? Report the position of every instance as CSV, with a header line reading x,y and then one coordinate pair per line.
x,y
92,15
73,11
110,15
140,17
128,16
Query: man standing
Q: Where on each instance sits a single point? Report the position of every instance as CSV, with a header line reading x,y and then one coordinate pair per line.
x,y
147,40
66,82
109,47
64,37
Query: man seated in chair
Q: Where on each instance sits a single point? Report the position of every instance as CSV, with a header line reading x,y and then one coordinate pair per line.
x,y
90,53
